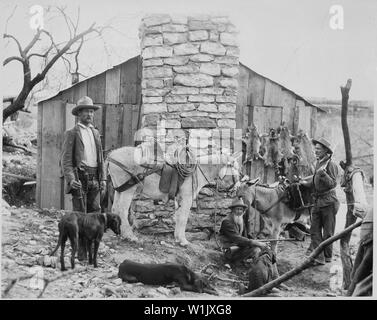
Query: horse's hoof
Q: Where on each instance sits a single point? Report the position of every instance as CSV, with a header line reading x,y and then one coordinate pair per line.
x,y
182,243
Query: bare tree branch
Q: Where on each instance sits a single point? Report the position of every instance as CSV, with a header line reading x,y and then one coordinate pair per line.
x,y
14,58
17,42
60,50
78,19
77,56
32,42
44,55
62,11
10,17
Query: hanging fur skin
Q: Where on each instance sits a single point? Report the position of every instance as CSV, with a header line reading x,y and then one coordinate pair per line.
x,y
285,142
253,144
286,150
263,150
304,150
273,155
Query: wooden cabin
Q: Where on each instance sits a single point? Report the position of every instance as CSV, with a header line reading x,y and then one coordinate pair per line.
x,y
118,90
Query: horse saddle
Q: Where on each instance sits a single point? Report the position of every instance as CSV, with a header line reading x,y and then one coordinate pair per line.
x,y
170,180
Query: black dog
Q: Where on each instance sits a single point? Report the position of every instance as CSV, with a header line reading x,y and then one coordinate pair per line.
x,y
261,270
163,274
87,227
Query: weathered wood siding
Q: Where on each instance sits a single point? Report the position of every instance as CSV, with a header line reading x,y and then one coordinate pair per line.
x,y
118,91
53,119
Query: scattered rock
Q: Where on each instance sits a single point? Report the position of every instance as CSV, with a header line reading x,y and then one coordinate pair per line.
x,y
163,290
330,294
175,290
109,291
117,281
166,244
209,271
7,263
152,293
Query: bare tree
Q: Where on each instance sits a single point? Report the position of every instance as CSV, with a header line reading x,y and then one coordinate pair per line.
x,y
67,50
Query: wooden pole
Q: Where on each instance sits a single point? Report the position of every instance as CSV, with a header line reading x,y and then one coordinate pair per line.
x,y
305,265
347,142
350,218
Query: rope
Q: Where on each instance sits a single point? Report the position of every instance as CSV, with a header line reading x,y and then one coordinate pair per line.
x,y
185,170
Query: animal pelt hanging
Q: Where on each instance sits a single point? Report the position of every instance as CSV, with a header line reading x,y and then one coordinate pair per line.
x,y
304,150
285,143
273,154
252,141
286,148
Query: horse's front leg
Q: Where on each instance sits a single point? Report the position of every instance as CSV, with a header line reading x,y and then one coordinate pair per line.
x,y
181,217
121,206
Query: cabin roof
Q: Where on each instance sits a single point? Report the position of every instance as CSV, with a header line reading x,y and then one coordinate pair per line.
x,y
307,103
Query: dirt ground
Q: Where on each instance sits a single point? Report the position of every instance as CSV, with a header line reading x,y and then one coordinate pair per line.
x,y
28,235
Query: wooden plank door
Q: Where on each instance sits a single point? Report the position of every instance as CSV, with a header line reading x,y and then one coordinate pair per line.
x,y
70,121
52,138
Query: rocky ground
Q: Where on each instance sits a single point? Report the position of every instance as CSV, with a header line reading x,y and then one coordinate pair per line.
x,y
28,235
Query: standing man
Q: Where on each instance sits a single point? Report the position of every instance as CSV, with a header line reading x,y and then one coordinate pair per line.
x,y
326,203
82,161
237,247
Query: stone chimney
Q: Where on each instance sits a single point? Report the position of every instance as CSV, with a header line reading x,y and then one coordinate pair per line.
x,y
190,68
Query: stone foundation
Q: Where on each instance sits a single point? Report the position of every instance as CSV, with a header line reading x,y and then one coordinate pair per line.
x,y
159,218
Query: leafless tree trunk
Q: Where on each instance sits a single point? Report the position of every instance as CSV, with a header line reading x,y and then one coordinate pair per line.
x,y
347,141
350,218
51,55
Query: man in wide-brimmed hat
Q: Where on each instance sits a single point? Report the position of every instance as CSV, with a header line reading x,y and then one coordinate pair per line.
x,y
233,237
82,160
326,203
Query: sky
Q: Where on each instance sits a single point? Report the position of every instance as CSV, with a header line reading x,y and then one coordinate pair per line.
x,y
290,42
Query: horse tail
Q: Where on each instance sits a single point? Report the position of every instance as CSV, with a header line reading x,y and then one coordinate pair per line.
x,y
59,242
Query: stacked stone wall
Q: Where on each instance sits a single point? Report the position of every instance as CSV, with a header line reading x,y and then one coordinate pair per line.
x,y
190,68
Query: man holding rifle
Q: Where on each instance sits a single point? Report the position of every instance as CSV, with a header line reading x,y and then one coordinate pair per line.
x,y
82,161
326,203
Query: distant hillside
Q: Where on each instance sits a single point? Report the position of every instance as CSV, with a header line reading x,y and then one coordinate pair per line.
x,y
333,103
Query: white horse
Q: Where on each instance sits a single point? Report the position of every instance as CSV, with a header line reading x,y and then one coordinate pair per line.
x,y
219,169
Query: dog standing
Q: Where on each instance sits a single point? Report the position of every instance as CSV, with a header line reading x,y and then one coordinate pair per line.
x,y
89,227
163,274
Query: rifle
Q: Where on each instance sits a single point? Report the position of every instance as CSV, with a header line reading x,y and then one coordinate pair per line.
x,y
82,204
276,240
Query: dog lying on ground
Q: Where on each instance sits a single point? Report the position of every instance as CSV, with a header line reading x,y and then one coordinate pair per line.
x,y
88,227
164,274
261,270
